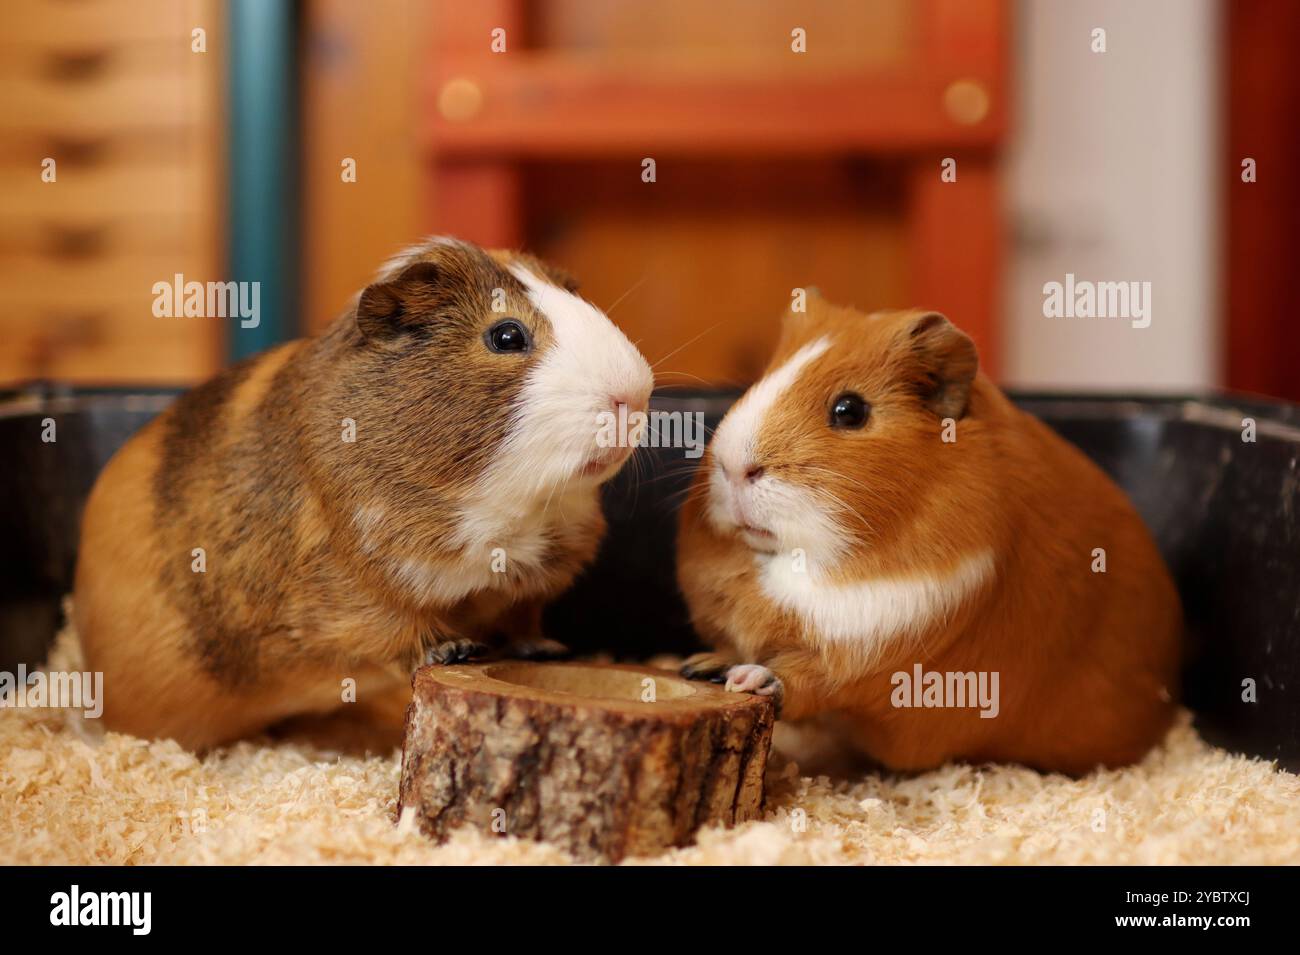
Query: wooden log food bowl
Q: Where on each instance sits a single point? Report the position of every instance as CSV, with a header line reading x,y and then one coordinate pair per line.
x,y
604,760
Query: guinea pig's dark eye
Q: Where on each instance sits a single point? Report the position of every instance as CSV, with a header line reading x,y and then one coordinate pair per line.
x,y
849,411
507,336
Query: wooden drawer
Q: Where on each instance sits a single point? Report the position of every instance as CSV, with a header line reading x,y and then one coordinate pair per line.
x,y
76,148
93,320
76,66
60,24
118,101
108,346
63,61
112,91
159,188
28,278
79,235
116,191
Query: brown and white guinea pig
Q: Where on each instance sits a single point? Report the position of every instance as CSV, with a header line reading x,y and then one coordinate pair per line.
x,y
875,532
411,486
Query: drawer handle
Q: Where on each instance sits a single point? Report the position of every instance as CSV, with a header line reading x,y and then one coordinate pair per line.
x,y
64,330
78,326
77,150
73,241
75,66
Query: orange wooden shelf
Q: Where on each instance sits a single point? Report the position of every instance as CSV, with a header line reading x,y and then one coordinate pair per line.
x,y
558,105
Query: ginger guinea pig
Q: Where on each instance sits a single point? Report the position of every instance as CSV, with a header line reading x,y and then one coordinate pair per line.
x,y
409,487
878,536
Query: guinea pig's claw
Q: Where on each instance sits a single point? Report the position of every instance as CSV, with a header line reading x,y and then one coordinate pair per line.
x,y
453,651
705,666
756,679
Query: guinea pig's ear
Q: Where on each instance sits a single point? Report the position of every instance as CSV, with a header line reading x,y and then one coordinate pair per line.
x,y
555,275
946,362
387,309
551,273
561,278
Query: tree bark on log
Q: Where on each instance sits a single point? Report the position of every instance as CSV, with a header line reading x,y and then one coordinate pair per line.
x,y
606,761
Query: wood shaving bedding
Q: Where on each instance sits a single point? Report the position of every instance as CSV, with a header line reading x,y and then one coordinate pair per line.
x,y
70,794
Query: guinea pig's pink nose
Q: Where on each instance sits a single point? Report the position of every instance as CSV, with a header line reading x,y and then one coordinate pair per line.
x,y
751,472
631,402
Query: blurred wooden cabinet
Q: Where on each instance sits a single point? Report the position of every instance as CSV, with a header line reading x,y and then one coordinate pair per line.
x,y
773,168
113,93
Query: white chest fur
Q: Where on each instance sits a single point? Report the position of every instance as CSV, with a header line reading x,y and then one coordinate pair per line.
x,y
513,553
868,615
513,561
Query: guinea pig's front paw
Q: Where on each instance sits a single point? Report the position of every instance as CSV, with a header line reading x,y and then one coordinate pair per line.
x,y
453,651
538,648
756,679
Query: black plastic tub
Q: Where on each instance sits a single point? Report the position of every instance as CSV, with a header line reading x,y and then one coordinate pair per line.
x,y
1225,511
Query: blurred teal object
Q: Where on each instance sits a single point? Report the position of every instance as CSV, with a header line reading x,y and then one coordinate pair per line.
x,y
263,211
